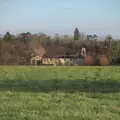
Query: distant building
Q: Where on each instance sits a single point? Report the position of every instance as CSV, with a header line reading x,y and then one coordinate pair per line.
x,y
115,50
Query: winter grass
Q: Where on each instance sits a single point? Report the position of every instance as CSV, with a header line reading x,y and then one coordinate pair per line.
x,y
59,93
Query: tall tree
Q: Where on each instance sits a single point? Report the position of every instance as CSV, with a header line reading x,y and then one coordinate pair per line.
x,y
109,40
7,37
95,37
47,41
89,37
57,38
24,37
76,34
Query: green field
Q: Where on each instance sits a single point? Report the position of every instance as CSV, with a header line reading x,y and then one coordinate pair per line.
x,y
59,93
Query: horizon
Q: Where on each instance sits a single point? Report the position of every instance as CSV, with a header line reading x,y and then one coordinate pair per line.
x,y
100,17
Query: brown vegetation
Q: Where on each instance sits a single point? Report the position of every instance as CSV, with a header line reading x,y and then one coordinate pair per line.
x,y
89,60
103,60
20,49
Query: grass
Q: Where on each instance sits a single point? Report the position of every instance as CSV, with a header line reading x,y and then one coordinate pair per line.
x,y
59,93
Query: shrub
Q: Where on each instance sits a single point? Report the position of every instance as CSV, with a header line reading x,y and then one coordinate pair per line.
x,y
103,60
89,60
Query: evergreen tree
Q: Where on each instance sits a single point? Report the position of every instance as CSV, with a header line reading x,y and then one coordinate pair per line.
x,y
94,37
7,37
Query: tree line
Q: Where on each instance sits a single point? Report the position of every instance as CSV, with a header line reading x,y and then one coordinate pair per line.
x,y
18,49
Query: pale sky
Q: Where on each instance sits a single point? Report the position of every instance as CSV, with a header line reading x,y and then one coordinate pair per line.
x,y
60,16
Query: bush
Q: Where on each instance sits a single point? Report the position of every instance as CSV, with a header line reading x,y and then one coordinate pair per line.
x,y
89,60
103,60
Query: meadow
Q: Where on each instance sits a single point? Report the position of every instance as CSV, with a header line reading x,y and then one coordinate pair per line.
x,y
59,93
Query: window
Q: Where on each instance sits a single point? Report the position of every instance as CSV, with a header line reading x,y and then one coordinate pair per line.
x,y
118,53
114,49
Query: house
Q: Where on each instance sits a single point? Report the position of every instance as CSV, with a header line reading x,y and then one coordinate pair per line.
x,y
38,51
115,50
